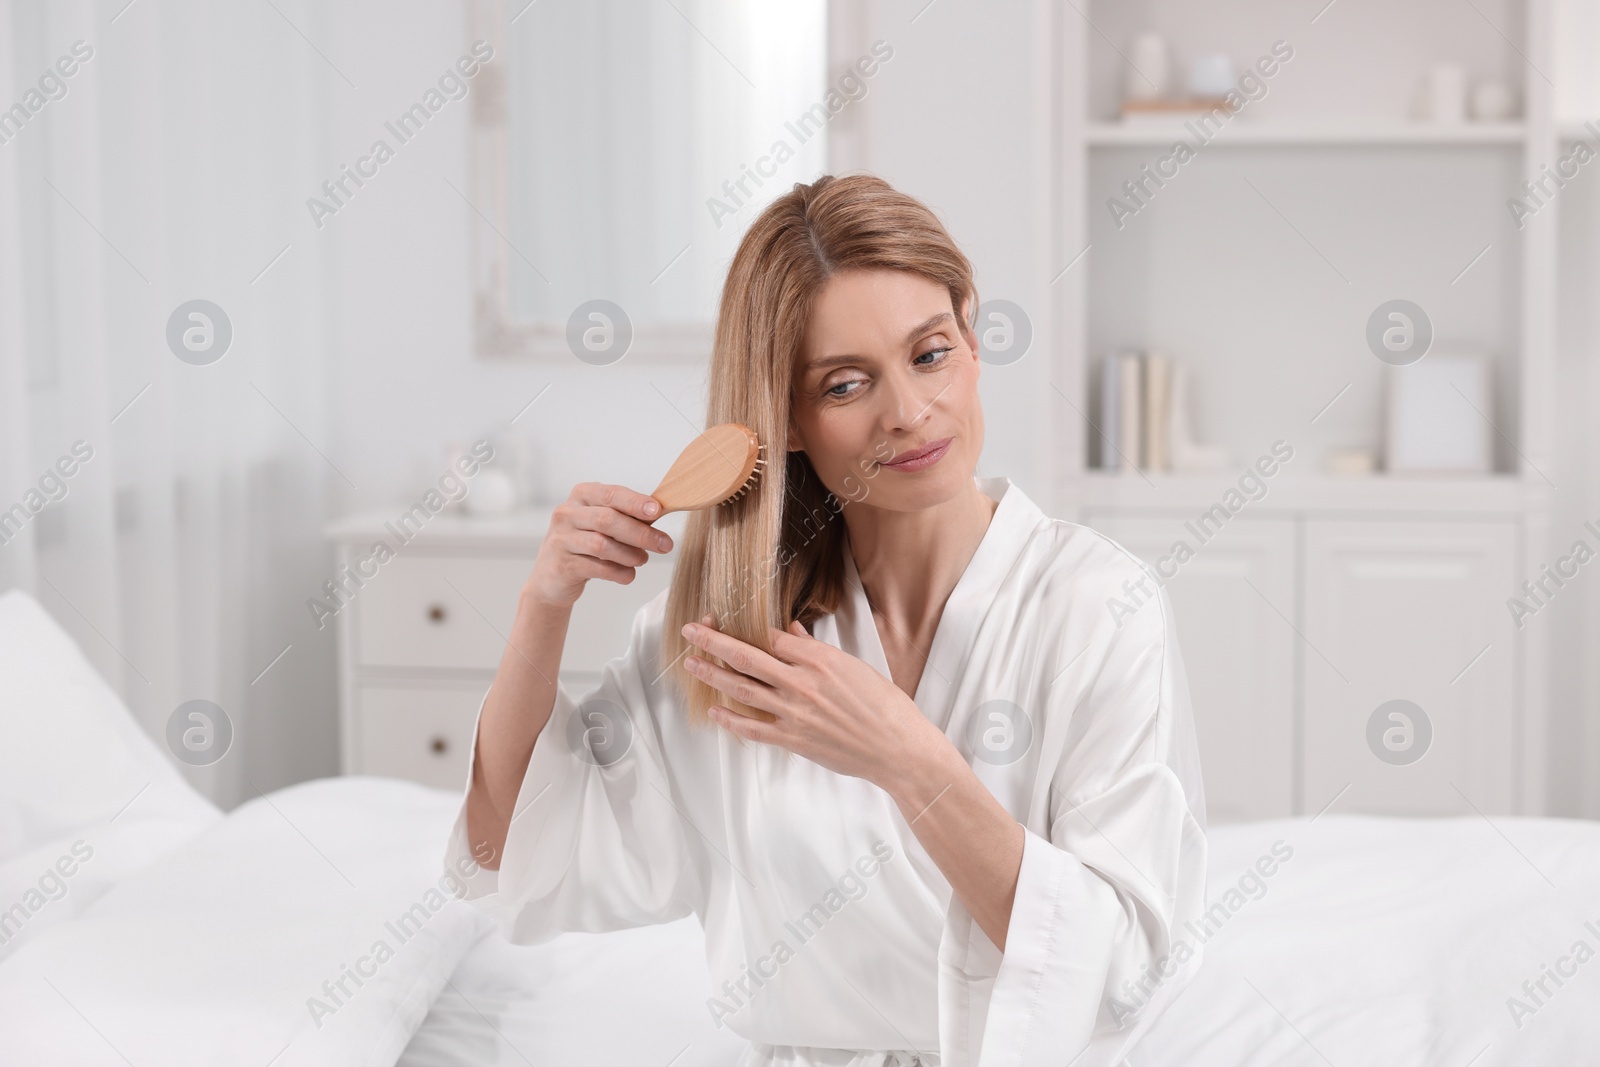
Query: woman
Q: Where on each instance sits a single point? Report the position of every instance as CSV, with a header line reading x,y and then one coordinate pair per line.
x,y
926,793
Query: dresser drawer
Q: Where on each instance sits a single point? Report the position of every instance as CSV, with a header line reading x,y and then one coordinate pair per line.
x,y
420,733
412,615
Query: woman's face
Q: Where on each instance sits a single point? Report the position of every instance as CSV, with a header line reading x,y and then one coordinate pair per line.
x,y
886,370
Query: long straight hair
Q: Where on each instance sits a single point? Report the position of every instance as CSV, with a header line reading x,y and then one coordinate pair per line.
x,y
777,553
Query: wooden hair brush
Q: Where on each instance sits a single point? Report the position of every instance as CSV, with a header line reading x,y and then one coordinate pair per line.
x,y
720,465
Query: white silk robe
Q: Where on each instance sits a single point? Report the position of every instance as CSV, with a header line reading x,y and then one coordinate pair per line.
x,y
831,937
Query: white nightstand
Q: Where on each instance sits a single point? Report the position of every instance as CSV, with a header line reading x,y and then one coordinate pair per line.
x,y
420,639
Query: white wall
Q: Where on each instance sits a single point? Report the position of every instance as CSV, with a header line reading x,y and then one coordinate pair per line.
x,y
960,118
406,378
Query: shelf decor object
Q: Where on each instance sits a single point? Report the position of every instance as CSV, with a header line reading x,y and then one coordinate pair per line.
x,y
1148,75
1437,415
1188,455
1444,97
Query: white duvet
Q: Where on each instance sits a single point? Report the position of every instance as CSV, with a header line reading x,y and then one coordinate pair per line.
x,y
1393,941
1371,941
154,930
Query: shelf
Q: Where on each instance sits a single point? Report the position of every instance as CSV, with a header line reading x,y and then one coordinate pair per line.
x,y
1163,132
1495,494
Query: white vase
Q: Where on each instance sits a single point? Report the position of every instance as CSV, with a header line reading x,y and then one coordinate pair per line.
x,y
1149,76
492,493
1445,93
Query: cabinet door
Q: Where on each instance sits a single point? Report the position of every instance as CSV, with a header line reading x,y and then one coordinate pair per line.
x,y
1412,611
1233,601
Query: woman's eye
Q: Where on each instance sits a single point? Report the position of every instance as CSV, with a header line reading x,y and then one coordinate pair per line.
x,y
833,392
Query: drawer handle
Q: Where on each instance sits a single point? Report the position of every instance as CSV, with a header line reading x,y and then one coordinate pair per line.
x,y
436,613
439,746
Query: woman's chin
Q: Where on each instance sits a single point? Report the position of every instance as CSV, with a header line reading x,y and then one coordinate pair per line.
x,y
916,490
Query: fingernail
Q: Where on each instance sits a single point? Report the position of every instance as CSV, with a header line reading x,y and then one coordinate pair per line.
x,y
651,508
706,620
688,629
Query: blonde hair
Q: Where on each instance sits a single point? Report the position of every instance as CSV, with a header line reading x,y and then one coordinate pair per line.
x,y
776,554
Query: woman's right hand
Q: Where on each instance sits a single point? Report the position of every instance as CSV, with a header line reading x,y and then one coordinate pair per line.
x,y
601,531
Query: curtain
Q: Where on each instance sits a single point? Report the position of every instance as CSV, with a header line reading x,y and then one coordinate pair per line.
x,y
162,496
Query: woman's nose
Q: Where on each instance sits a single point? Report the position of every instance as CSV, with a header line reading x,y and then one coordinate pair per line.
x,y
907,402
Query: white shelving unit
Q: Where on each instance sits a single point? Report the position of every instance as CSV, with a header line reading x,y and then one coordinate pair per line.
x,y
1257,265
1162,132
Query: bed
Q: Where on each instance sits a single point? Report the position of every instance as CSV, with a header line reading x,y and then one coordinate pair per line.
x,y
143,926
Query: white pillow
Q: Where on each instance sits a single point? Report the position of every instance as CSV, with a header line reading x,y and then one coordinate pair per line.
x,y
234,947
85,796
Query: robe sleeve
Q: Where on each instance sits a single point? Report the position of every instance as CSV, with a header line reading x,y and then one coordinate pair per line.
x,y
1113,871
597,841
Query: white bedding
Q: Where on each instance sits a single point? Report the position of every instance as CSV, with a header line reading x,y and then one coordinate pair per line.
x,y
634,997
190,937
1375,941
231,948
1394,941
85,797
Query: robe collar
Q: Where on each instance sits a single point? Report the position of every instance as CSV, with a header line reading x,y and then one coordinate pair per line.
x,y
853,628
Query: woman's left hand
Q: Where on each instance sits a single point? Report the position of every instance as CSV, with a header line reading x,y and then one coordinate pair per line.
x,y
831,707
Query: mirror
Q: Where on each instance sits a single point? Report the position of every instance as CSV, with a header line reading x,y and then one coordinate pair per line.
x,y
619,151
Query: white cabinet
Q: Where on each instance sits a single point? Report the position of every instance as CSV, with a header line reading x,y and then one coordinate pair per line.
x,y
420,639
1414,611
1298,627
1231,601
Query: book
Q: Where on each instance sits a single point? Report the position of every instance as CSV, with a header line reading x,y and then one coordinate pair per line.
x,y
1130,427
1110,412
1157,411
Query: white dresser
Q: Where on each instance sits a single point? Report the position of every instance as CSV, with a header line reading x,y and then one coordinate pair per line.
x,y
419,640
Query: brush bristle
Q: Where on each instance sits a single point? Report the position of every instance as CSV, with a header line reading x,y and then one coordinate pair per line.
x,y
755,475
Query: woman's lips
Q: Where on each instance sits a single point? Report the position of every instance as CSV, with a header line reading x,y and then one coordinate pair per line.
x,y
923,458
